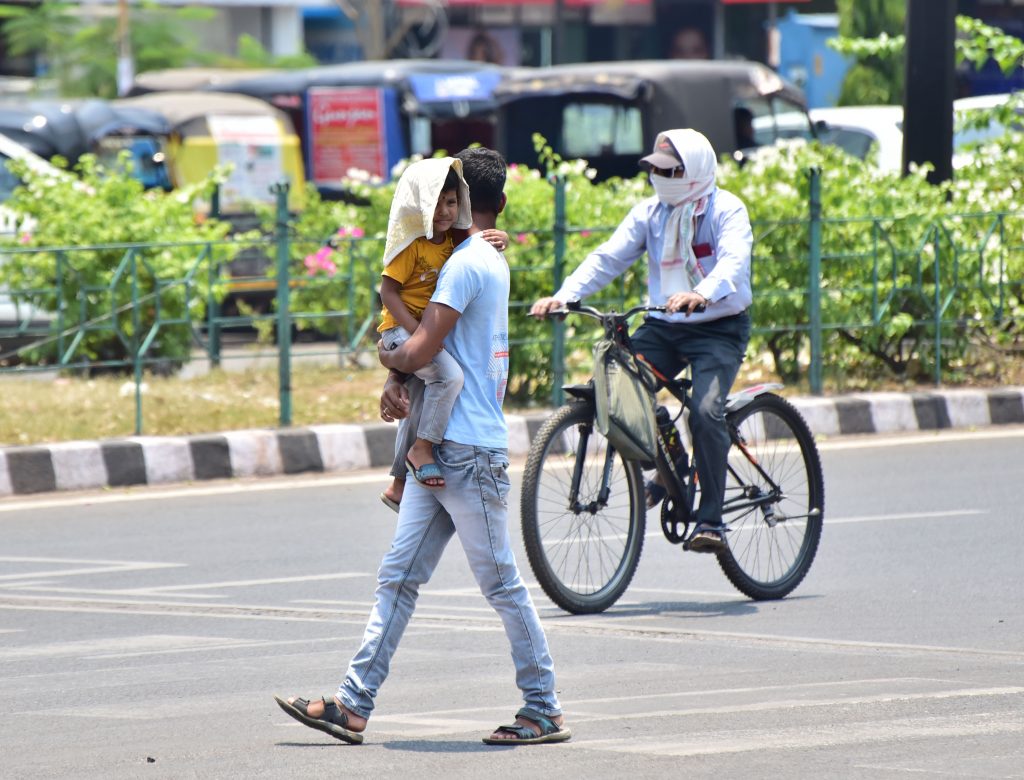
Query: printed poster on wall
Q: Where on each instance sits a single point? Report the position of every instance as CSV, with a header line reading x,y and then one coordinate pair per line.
x,y
252,144
346,130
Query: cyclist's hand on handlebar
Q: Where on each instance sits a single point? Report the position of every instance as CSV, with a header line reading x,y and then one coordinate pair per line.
x,y
688,302
545,306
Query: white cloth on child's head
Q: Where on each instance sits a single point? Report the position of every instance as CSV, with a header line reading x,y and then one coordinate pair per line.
x,y
415,199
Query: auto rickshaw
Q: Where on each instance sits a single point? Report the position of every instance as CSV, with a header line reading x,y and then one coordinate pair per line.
x,y
208,129
609,113
47,128
71,128
110,129
370,115
191,79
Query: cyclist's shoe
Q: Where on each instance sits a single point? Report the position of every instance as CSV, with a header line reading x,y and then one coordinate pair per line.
x,y
707,538
654,493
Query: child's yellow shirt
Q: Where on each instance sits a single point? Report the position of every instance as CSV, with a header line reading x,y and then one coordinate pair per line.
x,y
415,269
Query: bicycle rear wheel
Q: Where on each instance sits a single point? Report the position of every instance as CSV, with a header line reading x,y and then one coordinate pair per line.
x,y
774,499
584,552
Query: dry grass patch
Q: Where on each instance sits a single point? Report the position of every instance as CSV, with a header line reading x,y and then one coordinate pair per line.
x,y
36,411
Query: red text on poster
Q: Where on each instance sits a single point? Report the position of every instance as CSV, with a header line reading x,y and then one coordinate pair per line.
x,y
346,130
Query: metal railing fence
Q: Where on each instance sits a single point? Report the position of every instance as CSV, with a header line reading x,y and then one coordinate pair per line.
x,y
896,289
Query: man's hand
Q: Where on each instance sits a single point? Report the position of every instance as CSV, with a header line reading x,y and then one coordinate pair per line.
x,y
543,307
685,301
425,342
384,355
394,399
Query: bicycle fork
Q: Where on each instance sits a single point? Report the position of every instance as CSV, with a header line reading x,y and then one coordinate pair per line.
x,y
601,501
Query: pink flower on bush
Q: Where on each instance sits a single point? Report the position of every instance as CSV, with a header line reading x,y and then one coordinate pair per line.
x,y
351,232
25,238
522,238
584,234
321,261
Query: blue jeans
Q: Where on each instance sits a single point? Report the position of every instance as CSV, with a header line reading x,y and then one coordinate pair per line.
x,y
473,504
714,350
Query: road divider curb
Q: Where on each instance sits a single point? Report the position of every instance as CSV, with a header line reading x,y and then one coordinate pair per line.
x,y
153,460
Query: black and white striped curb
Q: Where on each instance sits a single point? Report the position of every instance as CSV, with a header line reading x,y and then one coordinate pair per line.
x,y
154,460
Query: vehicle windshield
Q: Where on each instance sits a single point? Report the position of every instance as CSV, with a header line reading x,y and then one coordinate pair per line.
x,y
773,119
852,141
597,129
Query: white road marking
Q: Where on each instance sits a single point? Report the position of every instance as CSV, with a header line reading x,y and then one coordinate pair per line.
x,y
649,632
424,606
738,740
100,647
865,441
92,567
158,589
775,739
795,704
42,587
948,513
10,581
80,561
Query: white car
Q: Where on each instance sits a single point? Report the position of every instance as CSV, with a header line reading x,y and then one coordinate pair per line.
x,y
859,129
16,317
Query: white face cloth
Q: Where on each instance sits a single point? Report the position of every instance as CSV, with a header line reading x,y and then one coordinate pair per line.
x,y
687,196
415,199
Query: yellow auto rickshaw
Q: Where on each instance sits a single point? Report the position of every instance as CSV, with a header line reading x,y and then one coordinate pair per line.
x,y
210,128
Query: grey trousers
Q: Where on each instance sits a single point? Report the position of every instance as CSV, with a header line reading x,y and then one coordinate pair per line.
x,y
440,382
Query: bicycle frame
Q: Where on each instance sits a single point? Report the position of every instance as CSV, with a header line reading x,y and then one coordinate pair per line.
x,y
678,508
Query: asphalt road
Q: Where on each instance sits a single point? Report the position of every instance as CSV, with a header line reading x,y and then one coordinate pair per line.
x,y
143,633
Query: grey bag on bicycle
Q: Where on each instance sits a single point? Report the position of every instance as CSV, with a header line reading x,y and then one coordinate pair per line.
x,y
624,390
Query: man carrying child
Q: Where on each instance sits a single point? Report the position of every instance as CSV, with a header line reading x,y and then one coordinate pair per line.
x,y
468,315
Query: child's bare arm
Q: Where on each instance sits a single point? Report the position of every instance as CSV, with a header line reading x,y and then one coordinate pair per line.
x,y
389,296
496,238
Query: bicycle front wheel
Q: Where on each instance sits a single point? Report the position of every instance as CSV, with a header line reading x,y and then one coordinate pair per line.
x,y
774,499
583,548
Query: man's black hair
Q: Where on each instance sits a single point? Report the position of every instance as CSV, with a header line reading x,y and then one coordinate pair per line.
x,y
451,182
484,171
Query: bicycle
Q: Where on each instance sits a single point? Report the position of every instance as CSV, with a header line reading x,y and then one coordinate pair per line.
x,y
584,506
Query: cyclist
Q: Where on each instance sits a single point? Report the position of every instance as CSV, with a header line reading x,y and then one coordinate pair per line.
x,y
698,241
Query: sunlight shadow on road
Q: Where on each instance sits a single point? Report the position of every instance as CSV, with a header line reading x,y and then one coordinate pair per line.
x,y
442,746
694,609
682,609
327,744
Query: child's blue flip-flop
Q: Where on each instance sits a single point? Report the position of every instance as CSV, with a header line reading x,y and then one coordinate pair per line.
x,y
425,472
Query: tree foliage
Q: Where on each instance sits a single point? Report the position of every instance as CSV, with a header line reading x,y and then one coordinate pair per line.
x,y
881,53
81,54
876,77
62,262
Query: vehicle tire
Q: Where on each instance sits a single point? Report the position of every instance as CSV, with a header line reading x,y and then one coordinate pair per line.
x,y
584,557
766,561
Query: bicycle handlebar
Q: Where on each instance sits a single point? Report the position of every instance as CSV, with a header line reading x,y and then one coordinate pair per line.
x,y
576,307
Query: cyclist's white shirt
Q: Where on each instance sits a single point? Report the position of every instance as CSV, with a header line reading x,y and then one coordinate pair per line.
x,y
724,227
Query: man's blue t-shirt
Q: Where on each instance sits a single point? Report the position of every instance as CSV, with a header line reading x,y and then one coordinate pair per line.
x,y
475,282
